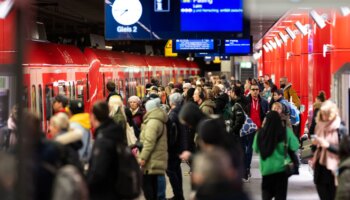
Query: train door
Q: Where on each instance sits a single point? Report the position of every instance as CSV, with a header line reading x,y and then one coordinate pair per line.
x,y
36,92
341,92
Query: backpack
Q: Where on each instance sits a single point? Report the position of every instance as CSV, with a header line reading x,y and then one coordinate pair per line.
x,y
129,181
294,114
69,185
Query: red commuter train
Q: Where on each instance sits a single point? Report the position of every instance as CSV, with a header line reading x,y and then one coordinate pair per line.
x,y
52,69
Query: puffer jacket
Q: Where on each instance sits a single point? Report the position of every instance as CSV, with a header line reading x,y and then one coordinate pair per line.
x,y
207,107
343,190
153,136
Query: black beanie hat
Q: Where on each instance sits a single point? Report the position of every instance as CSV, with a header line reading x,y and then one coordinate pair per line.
x,y
191,115
76,106
212,131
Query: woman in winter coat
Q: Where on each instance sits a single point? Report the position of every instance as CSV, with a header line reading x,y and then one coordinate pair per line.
x,y
270,143
325,161
137,113
153,157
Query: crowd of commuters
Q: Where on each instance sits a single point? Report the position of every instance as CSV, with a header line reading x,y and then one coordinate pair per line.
x,y
199,121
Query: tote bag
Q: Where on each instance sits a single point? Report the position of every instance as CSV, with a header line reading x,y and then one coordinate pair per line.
x,y
248,127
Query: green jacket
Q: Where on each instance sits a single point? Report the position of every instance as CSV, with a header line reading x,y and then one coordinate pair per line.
x,y
153,136
275,162
343,189
207,107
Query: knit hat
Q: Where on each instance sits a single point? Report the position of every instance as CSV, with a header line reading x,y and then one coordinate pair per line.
x,y
191,115
152,104
212,131
134,99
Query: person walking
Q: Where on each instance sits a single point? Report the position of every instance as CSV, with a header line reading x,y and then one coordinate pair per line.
x,y
272,143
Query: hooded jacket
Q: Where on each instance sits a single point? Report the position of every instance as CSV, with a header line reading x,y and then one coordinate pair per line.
x,y
288,92
207,107
238,116
81,121
343,189
154,139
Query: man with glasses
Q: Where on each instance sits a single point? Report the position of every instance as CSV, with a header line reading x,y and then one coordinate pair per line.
x,y
256,109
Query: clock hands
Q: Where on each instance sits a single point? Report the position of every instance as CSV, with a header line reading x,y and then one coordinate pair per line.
x,y
126,10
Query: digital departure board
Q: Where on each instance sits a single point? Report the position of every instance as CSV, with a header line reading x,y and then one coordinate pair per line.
x,y
237,47
211,15
193,45
171,19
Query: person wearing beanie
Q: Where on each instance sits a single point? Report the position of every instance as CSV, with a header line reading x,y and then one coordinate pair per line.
x,y
81,121
137,113
153,158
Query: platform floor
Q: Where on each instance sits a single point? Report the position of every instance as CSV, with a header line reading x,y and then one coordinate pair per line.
x,y
300,187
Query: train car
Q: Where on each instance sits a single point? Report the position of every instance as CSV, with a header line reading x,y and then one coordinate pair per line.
x,y
52,69
314,56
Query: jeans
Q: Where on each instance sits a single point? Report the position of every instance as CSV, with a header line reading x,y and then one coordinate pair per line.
x,y
247,142
161,187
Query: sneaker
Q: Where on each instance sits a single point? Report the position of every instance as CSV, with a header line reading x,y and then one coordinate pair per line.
x,y
246,180
248,172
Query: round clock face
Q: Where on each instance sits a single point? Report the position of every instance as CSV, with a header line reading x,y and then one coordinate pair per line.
x,y
127,12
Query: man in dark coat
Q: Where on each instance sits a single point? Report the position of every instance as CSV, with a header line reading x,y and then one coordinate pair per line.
x,y
102,173
238,103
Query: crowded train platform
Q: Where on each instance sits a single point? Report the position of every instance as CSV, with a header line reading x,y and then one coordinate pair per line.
x,y
174,100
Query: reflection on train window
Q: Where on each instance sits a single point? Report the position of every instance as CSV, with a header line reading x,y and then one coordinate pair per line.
x,y
126,88
33,100
25,96
69,91
48,101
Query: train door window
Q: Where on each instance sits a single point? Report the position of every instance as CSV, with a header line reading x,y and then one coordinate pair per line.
x,y
104,84
69,91
48,101
80,90
40,98
33,98
87,87
73,90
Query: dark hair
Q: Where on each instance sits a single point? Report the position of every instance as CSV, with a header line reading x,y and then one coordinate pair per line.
x,y
76,106
101,111
237,90
110,86
279,92
321,96
272,133
61,99
344,148
253,85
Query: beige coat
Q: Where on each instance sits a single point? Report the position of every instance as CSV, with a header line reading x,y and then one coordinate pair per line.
x,y
154,139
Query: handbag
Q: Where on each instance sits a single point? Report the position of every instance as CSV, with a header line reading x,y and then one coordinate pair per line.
x,y
248,127
291,168
130,135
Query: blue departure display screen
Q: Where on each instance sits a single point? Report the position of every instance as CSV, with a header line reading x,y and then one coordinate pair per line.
x,y
171,19
237,46
211,15
193,45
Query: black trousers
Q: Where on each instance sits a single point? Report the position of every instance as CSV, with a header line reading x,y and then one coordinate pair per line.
x,y
274,186
175,176
150,186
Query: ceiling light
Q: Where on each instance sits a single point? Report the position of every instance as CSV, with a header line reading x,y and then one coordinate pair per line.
x,y
345,11
291,33
278,42
266,48
303,29
273,44
269,46
318,19
283,37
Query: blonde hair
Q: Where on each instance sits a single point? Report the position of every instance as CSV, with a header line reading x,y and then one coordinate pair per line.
x,y
115,104
60,121
328,111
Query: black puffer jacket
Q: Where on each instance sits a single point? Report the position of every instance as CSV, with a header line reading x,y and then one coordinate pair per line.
x,y
102,173
238,117
180,142
220,103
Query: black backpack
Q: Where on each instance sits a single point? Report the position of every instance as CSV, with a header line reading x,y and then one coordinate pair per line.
x,y
129,181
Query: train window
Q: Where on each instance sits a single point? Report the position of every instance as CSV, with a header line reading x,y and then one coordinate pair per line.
x,y
73,89
104,84
80,90
40,101
48,101
87,87
33,99
69,91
